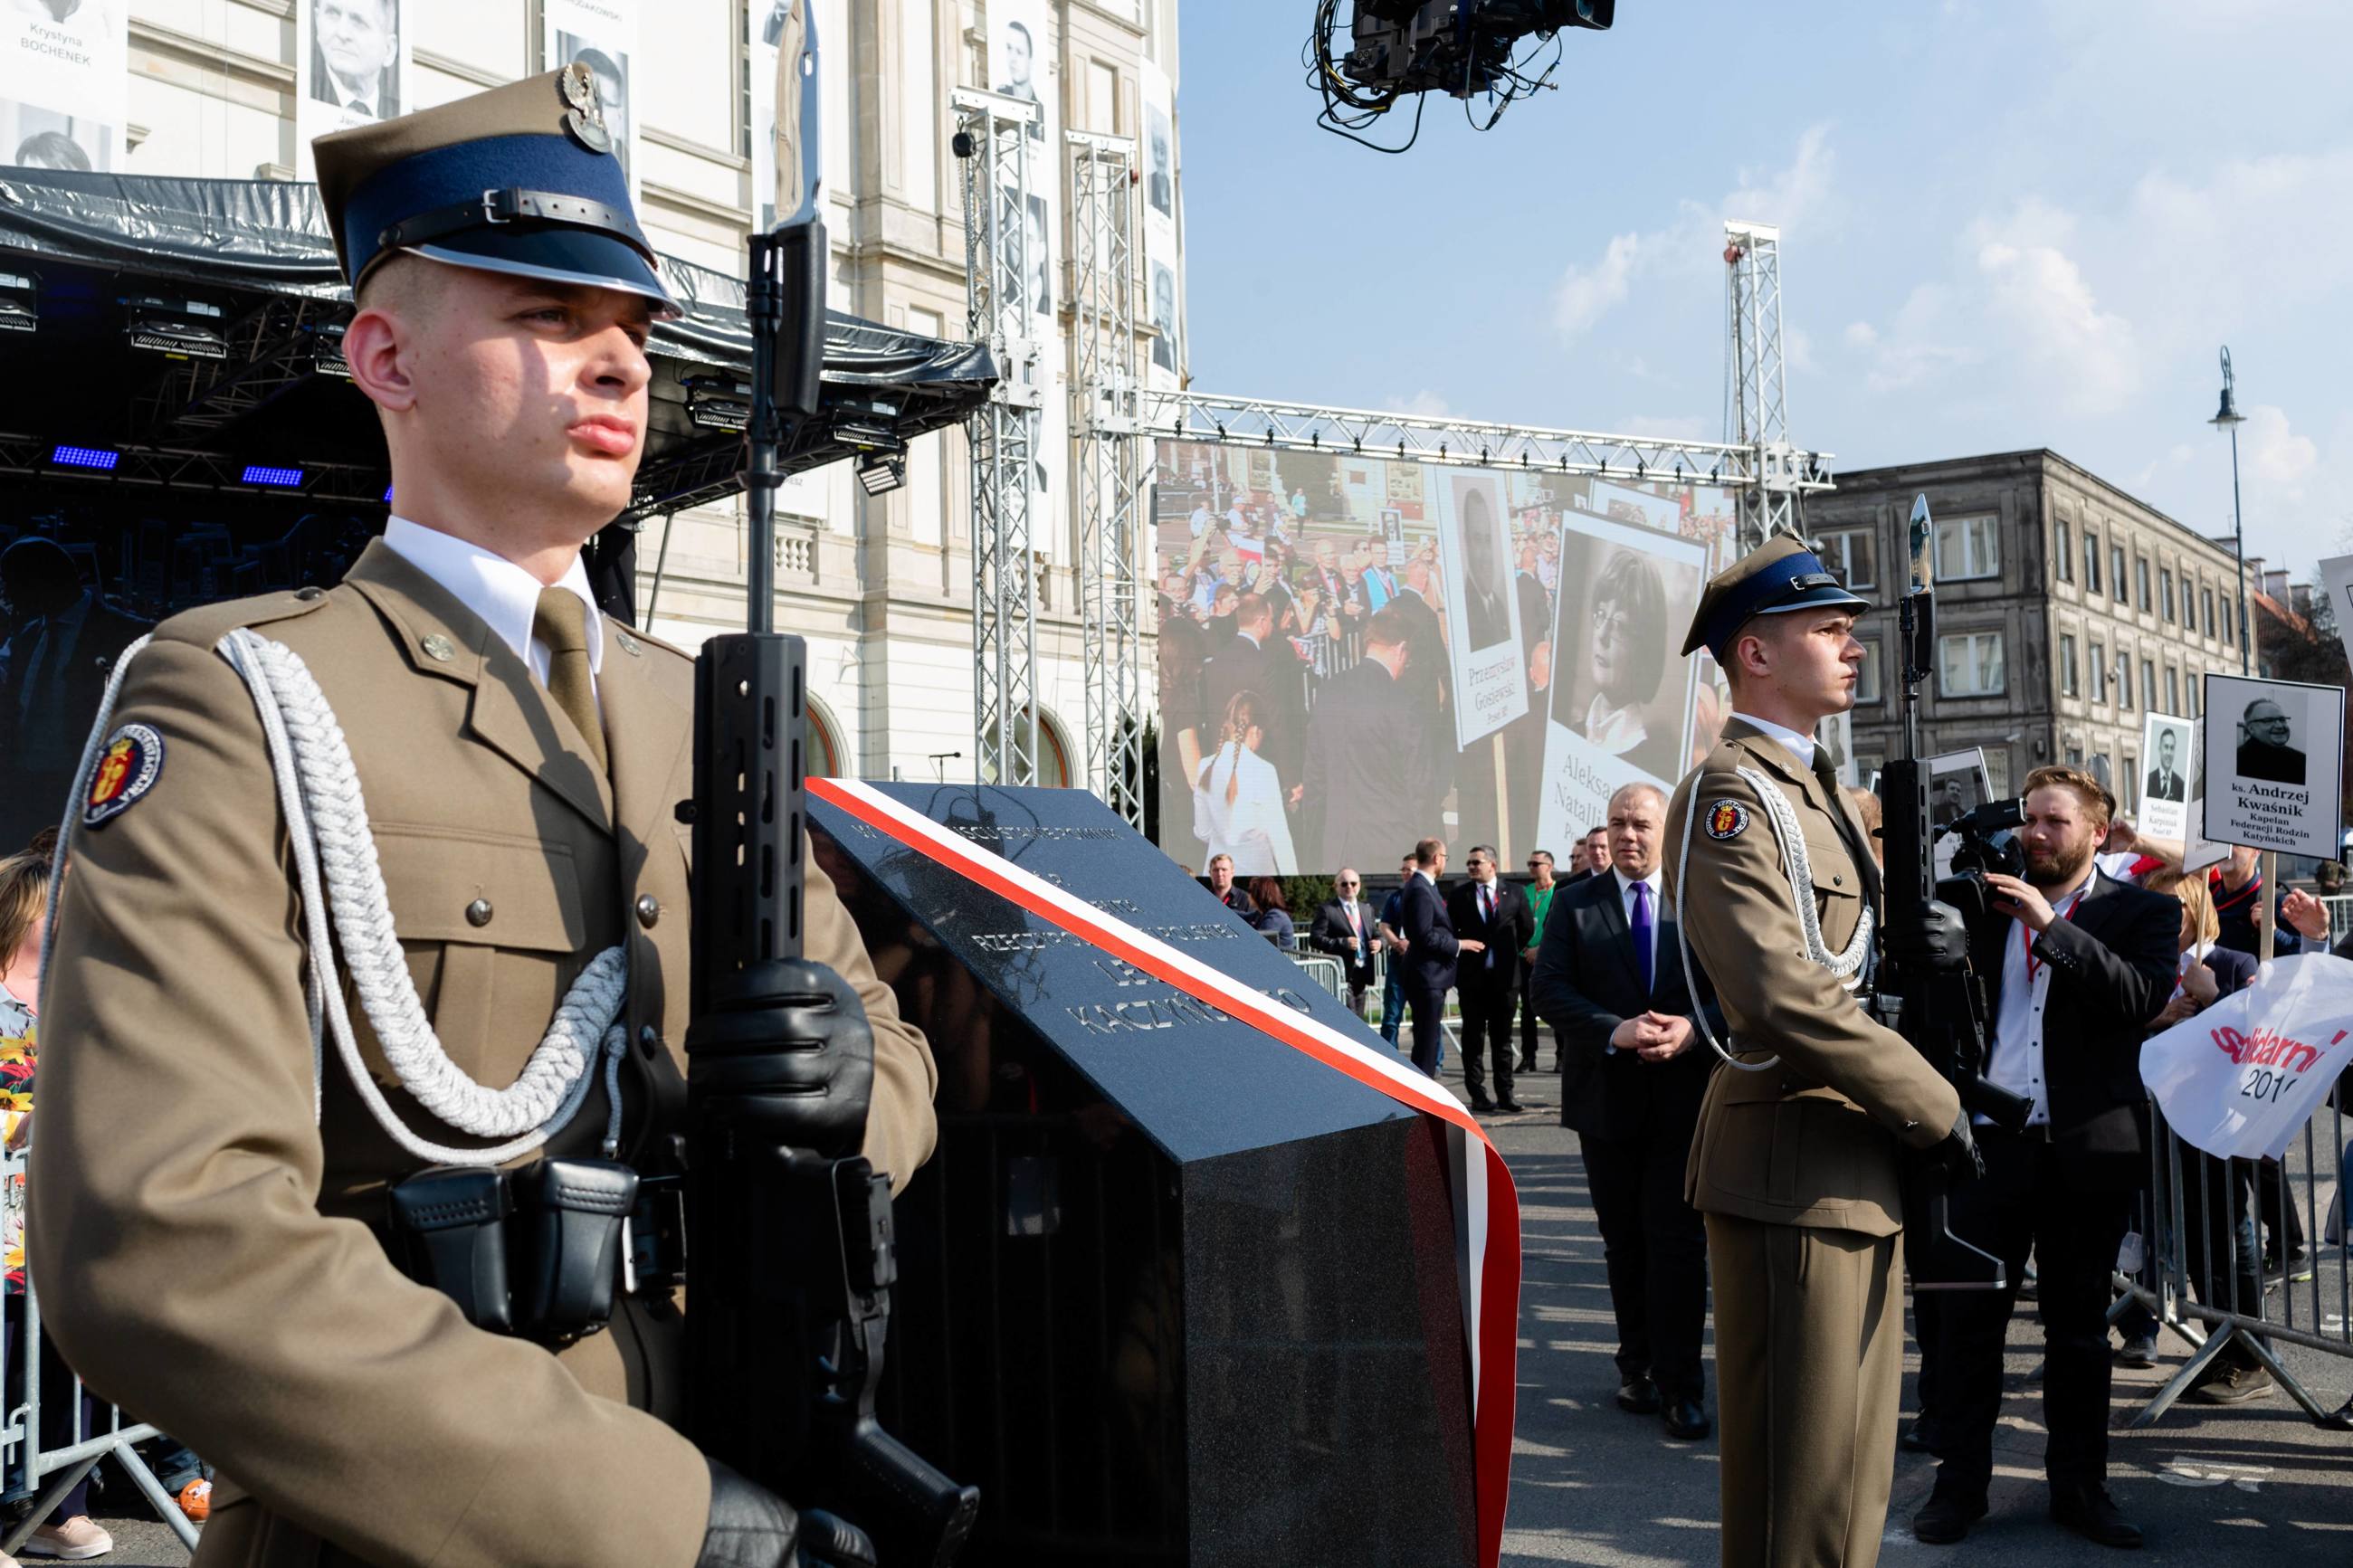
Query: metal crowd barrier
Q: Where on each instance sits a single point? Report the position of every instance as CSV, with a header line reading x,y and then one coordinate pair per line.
x,y
2204,1271
28,1470
1325,970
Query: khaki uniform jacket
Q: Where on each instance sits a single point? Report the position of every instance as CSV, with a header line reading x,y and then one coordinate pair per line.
x,y
197,1236
1813,1142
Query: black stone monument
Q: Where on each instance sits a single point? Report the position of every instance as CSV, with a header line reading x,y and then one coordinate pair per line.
x,y
1170,1291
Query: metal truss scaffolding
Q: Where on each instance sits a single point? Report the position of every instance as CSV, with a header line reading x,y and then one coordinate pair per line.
x,y
1004,434
1110,490
1296,427
1772,499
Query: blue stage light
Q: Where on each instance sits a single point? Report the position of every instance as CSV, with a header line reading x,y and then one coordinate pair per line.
x,y
264,474
387,495
85,457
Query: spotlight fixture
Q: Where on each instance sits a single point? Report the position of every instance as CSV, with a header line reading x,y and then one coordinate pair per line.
x,y
176,329
327,353
274,475
100,458
20,310
879,473
718,403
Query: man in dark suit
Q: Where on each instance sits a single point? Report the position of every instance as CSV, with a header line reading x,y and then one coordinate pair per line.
x,y
53,670
1368,766
1491,924
2076,965
1255,659
356,55
2263,749
2164,781
1427,691
1609,977
1429,951
1344,928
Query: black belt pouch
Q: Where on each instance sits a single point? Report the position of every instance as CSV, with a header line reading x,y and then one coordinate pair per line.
x,y
568,1250
449,1231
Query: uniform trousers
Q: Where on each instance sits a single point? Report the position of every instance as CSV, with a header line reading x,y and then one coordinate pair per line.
x,y
1487,1003
1654,1246
2025,1201
1808,1369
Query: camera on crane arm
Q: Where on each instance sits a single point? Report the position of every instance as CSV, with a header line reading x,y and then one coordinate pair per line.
x,y
1404,49
1989,842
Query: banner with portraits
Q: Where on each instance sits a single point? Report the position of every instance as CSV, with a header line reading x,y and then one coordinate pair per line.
x,y
1163,226
602,35
2274,766
64,66
1392,651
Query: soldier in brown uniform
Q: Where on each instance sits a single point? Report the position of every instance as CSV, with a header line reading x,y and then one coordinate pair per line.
x,y
209,1204
1795,1163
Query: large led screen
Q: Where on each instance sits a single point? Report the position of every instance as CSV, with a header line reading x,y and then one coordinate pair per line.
x,y
1356,653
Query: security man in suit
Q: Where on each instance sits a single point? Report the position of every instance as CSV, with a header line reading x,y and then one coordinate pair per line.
x,y
210,1210
1430,951
1492,926
1795,1165
1609,978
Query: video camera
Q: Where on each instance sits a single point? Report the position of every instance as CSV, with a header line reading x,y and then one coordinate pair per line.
x,y
1989,842
1398,48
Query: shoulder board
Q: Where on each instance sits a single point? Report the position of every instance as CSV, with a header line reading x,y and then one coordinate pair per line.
x,y
206,624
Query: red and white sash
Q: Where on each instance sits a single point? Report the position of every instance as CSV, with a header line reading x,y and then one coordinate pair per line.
x,y
1486,1205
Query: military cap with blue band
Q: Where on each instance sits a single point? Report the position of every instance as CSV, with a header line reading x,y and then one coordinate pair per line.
x,y
520,180
1780,577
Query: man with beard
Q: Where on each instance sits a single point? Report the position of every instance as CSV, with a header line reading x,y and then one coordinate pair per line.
x,y
2075,963
1795,1163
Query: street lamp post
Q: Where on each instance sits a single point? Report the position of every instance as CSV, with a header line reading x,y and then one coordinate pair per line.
x,y
2228,418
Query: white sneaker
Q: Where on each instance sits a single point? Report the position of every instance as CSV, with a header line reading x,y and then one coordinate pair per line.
x,y
76,1539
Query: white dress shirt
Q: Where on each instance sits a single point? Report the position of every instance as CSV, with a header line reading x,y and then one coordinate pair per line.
x,y
504,594
1800,744
2016,1060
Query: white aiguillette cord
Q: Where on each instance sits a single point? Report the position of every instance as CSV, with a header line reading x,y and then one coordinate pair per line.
x,y
1799,865
327,825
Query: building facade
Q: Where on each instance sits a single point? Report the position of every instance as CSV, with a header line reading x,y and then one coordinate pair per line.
x,y
880,585
2067,611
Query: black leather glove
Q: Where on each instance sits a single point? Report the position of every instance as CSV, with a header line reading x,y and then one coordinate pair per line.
x,y
751,1527
1938,938
1958,1152
831,1542
787,1057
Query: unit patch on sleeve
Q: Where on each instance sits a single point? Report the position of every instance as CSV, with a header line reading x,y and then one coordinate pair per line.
x,y
127,769
1727,820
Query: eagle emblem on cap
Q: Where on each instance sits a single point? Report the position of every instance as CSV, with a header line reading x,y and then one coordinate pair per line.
x,y
583,116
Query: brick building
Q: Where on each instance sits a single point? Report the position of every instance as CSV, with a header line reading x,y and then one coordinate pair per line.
x,y
2066,610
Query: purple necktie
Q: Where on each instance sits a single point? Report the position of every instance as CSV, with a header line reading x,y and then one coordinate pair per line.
x,y
1642,923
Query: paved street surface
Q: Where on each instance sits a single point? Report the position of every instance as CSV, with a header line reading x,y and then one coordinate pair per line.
x,y
2255,1487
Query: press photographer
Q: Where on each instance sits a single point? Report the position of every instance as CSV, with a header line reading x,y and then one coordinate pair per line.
x,y
2074,965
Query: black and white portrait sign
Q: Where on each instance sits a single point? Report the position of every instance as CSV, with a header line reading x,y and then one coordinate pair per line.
x,y
2167,746
2274,753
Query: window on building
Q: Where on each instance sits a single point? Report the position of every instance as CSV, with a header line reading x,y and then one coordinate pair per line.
x,y
1997,762
2091,561
2165,592
2172,689
2074,756
2206,608
2062,555
2130,782
1853,554
1866,682
2099,672
2230,619
2140,579
1968,547
2191,695
2124,680
2147,683
2070,680
1970,664
2100,770
2117,572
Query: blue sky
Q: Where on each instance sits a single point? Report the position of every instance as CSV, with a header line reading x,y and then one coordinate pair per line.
x,y
2003,225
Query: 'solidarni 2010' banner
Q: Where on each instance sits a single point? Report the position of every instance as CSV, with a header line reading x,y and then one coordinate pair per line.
x,y
1473,654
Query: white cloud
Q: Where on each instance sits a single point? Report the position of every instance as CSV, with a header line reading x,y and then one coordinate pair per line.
x,y
1861,336
1586,294
2089,357
1424,405
1796,196
2275,457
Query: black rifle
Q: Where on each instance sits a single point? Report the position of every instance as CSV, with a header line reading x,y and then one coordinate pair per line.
x,y
791,1254
1944,1012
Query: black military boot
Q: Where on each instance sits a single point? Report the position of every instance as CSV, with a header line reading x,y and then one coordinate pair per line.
x,y
2086,1508
1951,1509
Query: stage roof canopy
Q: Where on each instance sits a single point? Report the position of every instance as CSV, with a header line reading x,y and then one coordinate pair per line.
x,y
193,327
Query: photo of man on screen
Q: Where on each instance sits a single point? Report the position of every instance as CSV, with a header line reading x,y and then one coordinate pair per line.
x,y
2267,748
2164,779
356,55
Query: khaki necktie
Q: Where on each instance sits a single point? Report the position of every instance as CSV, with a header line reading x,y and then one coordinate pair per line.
x,y
562,623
